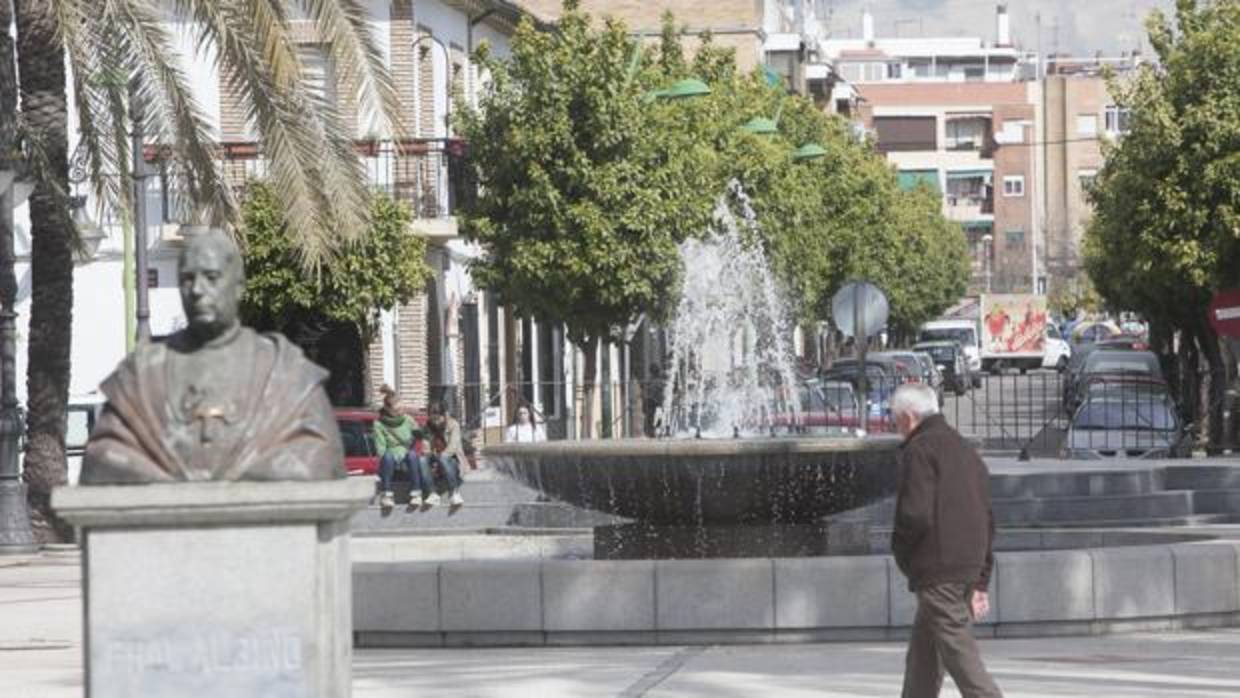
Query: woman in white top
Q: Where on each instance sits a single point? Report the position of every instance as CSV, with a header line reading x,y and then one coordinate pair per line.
x,y
523,428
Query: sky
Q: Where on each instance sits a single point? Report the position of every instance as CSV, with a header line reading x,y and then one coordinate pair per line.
x,y
1080,27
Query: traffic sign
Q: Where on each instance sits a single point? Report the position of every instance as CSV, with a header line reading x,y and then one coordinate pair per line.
x,y
860,302
1225,312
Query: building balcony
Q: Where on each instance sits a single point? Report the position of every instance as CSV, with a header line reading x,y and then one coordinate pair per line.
x,y
970,208
428,175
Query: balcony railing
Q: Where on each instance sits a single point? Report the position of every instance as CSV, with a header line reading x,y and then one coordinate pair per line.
x,y
430,175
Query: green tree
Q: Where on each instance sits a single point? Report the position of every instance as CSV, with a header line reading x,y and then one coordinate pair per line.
x,y
122,45
383,268
1167,202
823,221
583,200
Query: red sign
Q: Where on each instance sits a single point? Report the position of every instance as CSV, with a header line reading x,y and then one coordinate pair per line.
x,y
1225,313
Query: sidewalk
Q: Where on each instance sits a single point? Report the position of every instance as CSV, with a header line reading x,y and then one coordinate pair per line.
x,y
40,657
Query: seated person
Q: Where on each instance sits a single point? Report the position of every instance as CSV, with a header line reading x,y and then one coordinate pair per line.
x,y
523,428
398,441
446,455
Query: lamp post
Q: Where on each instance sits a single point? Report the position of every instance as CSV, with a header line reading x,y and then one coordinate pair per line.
x,y
16,536
137,117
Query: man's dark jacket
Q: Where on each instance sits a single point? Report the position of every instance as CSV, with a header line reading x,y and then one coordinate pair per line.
x,y
944,528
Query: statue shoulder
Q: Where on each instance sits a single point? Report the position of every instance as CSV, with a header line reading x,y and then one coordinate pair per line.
x,y
289,356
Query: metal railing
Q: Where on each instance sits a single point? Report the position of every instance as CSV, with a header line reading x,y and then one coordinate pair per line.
x,y
429,175
1027,414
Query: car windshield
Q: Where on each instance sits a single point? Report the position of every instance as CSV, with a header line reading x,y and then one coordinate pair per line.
x,y
941,354
1135,415
966,336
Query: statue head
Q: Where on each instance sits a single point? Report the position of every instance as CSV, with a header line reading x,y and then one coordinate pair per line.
x,y
211,278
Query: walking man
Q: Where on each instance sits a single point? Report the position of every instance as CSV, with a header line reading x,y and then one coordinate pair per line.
x,y
942,540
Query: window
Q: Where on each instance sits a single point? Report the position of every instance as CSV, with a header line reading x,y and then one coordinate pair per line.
x,y
974,73
966,133
851,72
1013,132
1116,119
1087,124
1015,238
906,133
894,71
1086,177
318,72
1014,185
874,72
152,278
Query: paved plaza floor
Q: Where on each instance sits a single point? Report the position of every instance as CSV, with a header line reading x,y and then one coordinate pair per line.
x,y
40,657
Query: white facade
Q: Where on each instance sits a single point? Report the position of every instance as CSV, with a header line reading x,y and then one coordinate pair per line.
x,y
98,330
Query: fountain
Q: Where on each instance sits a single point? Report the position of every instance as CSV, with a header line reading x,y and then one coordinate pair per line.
x,y
737,490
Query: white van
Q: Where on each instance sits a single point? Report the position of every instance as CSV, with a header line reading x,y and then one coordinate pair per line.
x,y
963,331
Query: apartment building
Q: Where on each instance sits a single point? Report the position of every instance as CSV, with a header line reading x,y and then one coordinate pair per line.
x,y
958,115
1080,115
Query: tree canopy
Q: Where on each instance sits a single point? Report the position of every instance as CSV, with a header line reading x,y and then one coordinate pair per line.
x,y
590,179
381,269
1166,230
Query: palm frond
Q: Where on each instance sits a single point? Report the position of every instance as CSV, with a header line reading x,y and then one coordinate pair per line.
x,y
176,119
344,24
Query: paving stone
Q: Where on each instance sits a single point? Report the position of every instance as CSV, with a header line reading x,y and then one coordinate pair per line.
x,y
598,595
1205,577
491,595
736,594
1133,582
397,597
831,592
1051,585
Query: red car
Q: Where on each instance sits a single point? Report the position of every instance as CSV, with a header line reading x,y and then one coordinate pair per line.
x,y
357,424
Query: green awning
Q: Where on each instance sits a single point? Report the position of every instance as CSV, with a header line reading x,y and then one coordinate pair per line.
x,y
969,174
909,179
978,226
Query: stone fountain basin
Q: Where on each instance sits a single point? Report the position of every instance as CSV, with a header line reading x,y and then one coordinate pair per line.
x,y
774,480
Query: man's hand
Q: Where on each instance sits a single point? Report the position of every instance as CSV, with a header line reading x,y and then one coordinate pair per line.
x,y
979,604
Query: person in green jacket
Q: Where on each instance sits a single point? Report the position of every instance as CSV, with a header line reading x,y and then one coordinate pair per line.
x,y
396,436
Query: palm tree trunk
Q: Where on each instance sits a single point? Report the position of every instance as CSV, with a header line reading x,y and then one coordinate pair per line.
x,y
41,66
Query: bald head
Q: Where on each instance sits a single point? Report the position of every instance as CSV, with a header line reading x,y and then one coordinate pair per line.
x,y
211,278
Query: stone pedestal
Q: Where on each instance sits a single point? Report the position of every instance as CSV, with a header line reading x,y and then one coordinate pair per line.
x,y
233,589
640,541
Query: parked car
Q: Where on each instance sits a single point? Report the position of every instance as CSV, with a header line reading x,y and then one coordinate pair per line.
x,y
1110,365
1110,427
80,418
921,372
827,407
882,377
949,358
963,332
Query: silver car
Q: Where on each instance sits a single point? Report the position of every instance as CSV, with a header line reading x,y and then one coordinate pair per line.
x,y
1118,426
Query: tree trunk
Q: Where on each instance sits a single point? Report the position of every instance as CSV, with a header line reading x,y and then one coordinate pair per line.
x,y
41,65
1216,378
590,349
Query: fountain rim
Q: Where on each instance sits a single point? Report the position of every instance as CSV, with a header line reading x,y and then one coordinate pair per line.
x,y
641,447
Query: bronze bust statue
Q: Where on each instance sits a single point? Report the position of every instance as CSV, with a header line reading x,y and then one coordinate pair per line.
x,y
216,400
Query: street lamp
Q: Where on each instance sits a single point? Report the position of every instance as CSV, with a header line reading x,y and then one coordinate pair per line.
x,y
89,233
16,536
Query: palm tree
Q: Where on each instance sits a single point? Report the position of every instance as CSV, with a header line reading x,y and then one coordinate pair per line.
x,y
118,49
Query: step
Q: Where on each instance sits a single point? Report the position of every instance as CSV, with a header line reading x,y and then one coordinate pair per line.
x,y
1221,501
1173,521
401,518
1201,477
1036,511
1068,484
560,515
